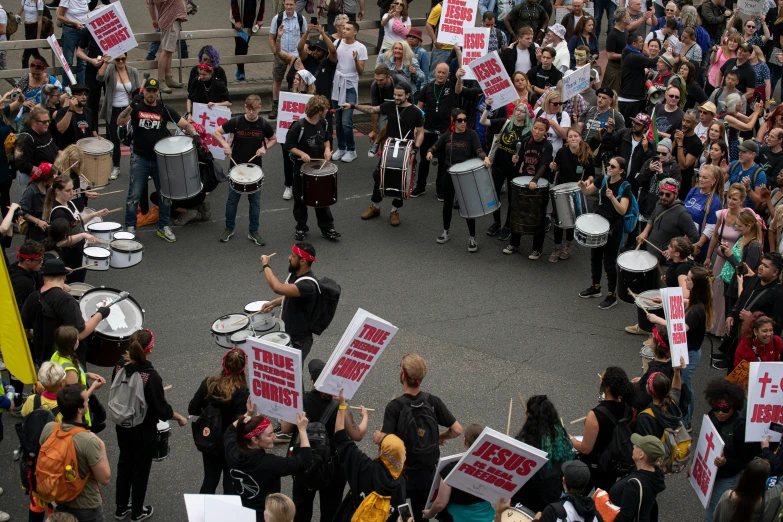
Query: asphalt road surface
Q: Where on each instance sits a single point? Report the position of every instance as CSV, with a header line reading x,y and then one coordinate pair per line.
x,y
491,326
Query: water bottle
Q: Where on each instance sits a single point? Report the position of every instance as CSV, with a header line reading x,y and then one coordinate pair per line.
x,y
10,393
70,473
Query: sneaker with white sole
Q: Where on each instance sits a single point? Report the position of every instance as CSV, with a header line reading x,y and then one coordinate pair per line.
x,y
373,150
444,237
288,193
534,255
510,249
132,230
115,173
555,255
167,234
4,517
145,513
122,512
472,245
256,238
226,235
338,154
349,156
591,291
609,301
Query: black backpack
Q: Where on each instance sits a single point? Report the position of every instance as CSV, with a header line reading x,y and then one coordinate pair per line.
x,y
418,428
29,433
322,469
329,297
562,514
302,25
618,456
208,429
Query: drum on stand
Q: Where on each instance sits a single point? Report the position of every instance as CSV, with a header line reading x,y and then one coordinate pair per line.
x,y
258,321
111,338
591,230
103,230
96,258
637,272
398,163
240,338
528,206
226,326
569,203
125,253
247,178
97,162
180,177
162,448
319,183
644,303
278,337
474,188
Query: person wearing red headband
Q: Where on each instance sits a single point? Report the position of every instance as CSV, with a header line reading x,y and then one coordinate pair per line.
x,y
300,291
206,89
137,443
420,466
255,471
664,411
674,221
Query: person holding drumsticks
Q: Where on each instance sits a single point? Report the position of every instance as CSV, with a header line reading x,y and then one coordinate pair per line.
x,y
614,196
253,136
454,147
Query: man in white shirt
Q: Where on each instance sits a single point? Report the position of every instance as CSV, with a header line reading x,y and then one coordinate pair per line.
x,y
521,55
707,113
294,27
555,35
668,38
351,57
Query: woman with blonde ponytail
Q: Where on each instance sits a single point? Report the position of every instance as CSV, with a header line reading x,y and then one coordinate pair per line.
x,y
229,392
703,203
137,444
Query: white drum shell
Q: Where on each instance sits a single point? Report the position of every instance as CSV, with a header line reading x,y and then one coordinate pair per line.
x,y
223,335
591,230
125,253
98,255
259,322
103,230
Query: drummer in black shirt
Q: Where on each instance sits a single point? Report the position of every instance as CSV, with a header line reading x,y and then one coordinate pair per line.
x,y
207,90
307,139
76,121
404,121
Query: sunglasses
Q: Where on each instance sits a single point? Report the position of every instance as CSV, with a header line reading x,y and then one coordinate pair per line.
x,y
673,96
556,103
717,409
121,60
666,195
252,107
614,166
45,122
750,26
704,112
461,120
38,66
663,153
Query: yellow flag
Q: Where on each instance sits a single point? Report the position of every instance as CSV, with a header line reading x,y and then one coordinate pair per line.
x,y
13,341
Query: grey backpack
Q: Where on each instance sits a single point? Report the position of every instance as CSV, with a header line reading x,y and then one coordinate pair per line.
x,y
127,405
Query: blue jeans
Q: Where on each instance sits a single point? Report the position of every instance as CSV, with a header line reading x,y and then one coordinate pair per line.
x,y
687,380
775,73
722,485
231,209
438,56
140,171
155,46
69,42
344,123
600,7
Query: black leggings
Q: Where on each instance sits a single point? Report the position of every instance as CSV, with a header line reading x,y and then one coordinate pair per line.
x,y
214,466
114,137
500,175
569,234
448,194
288,168
133,470
30,32
607,255
331,496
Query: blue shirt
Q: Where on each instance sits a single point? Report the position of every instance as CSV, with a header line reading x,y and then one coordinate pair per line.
x,y
736,175
696,203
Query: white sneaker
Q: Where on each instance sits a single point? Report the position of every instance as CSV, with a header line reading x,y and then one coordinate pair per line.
x,y
4,517
288,193
349,156
339,153
167,234
115,173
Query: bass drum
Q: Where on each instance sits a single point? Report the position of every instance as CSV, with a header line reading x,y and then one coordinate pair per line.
x,y
319,184
111,338
637,273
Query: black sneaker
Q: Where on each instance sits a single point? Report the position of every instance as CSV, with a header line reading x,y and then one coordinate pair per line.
x,y
493,229
330,234
300,235
721,364
418,191
280,437
609,301
591,291
145,514
122,512
505,233
440,198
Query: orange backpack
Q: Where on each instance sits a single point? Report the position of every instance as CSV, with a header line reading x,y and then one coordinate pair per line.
x,y
57,469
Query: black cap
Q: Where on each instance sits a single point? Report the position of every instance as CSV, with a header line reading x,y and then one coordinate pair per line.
x,y
320,44
152,83
576,474
605,90
53,267
315,367
79,87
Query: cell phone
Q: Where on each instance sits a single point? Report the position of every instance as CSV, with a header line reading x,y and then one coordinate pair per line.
x,y
775,426
405,511
314,20
655,158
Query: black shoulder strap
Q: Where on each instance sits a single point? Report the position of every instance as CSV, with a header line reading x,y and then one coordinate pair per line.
x,y
328,412
560,509
36,401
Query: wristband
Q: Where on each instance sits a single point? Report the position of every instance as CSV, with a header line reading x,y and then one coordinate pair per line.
x,y
264,267
342,407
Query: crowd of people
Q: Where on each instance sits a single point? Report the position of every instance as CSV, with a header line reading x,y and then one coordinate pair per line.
x,y
677,144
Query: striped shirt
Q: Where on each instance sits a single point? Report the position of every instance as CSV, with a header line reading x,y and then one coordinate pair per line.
x,y
292,32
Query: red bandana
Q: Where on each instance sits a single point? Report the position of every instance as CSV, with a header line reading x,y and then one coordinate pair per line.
x,y
151,345
660,340
205,67
301,253
226,373
20,255
264,424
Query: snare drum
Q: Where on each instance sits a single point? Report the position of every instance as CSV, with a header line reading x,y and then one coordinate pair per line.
x,y
636,270
78,289
162,448
397,169
474,188
111,338
247,178
226,326
180,177
644,303
97,163
647,356
517,514
103,230
98,258
240,338
125,253
278,337
569,203
319,183
591,230
528,206
123,235
259,322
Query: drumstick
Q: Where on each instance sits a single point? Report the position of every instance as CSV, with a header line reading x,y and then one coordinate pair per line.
x,y
638,245
107,193
114,210
359,408
580,419
510,407
322,165
167,388
72,166
562,423
521,401
249,315
655,247
235,164
85,266
251,159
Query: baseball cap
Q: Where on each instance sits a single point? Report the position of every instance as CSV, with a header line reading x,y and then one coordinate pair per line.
x,y
152,83
315,367
709,107
79,87
576,474
642,119
749,146
650,445
320,44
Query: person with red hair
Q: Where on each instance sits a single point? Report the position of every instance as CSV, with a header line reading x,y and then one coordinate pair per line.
x,y
759,342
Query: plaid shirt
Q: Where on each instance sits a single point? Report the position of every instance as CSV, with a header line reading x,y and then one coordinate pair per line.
x,y
292,32
568,105
169,11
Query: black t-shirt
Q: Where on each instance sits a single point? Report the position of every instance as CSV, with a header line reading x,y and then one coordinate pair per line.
x,y
82,126
297,311
674,272
696,321
212,90
534,155
249,136
149,127
606,208
569,168
307,137
56,308
315,406
746,74
379,95
32,203
507,141
409,118
543,78
692,145
458,496
23,283
392,413
324,77
771,162
616,41
668,122
90,46
605,425
438,101
71,255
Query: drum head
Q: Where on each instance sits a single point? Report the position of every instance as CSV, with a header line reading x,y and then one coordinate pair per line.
x,y
636,261
124,235
255,306
467,166
225,324
524,181
126,316
163,425
241,336
246,173
277,337
95,146
104,226
78,289
592,224
645,300
97,253
174,145
314,168
126,245
566,187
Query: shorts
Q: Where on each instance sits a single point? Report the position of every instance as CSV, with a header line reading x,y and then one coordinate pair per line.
x,y
279,69
169,37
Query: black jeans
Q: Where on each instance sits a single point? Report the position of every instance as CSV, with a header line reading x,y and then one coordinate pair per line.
x,y
447,192
96,88
5,196
323,215
377,197
288,168
607,255
114,137
240,49
133,470
304,346
500,175
424,166
330,496
214,465
30,32
417,483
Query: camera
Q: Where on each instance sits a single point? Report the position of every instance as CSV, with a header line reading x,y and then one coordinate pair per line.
x,y
15,95
18,214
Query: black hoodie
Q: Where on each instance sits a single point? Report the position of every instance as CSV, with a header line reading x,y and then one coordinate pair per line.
x,y
625,495
365,475
584,507
157,407
657,423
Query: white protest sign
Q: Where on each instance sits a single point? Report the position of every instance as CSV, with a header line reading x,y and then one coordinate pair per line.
x,y
211,119
291,108
194,504
765,401
494,80
59,52
576,81
218,510
361,345
496,466
275,379
703,469
476,46
674,310
442,463
751,7
455,17
111,30
560,12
